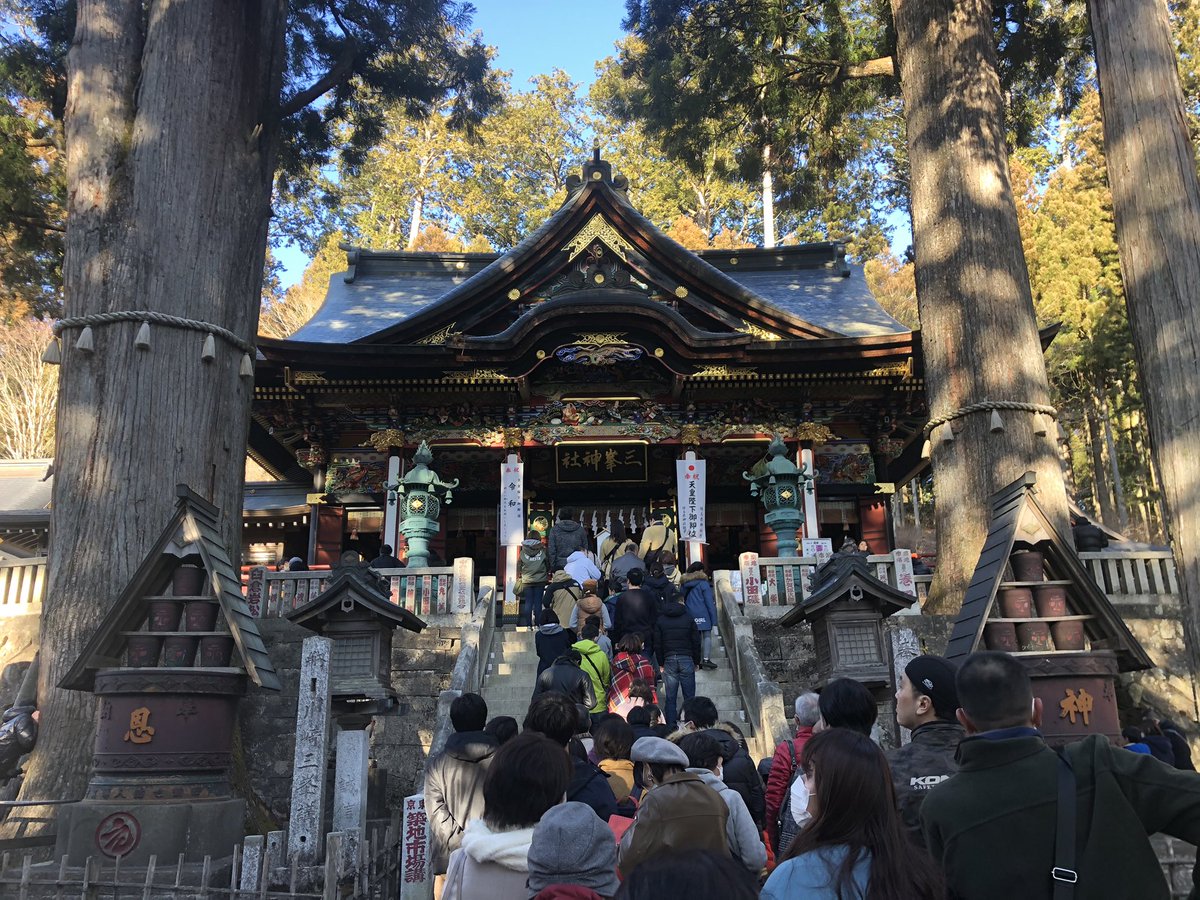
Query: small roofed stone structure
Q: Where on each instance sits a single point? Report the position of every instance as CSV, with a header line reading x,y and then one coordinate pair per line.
x,y
160,783
1031,596
846,610
357,614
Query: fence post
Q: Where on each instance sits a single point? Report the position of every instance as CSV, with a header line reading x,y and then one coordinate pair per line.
x,y
333,864
252,862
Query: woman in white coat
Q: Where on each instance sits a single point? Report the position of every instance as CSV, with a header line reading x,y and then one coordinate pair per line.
x,y
528,775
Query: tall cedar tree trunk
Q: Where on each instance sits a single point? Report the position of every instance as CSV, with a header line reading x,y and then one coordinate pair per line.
x,y
1156,206
171,137
978,334
1100,486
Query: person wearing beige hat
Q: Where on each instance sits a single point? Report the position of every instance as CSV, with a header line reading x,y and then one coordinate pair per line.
x,y
678,811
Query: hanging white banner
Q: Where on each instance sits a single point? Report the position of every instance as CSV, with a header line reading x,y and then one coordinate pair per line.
x,y
512,524
690,485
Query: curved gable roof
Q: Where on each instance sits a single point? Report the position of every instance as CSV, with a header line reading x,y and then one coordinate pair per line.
x,y
807,291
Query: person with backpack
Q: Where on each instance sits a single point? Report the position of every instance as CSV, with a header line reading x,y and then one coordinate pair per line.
x,y
590,605
612,548
562,593
745,840
702,607
551,640
533,571
657,584
595,663
782,824
656,538
565,538
994,827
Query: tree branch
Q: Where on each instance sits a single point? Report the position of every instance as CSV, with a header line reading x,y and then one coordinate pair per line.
x,y
37,221
340,72
34,143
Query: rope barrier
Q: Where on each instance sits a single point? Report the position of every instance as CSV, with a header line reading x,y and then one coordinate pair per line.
x,y
986,406
156,318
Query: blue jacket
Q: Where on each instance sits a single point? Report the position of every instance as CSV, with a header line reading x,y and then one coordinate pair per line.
x,y
698,597
590,785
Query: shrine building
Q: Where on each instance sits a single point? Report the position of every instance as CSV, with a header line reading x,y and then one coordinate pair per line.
x,y
598,352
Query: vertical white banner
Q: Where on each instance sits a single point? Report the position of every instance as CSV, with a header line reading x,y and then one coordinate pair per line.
x,y
512,522
690,485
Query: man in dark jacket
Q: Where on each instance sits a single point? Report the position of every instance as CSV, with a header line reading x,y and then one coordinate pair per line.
x,y
635,612
555,716
677,647
925,702
386,559
738,769
1179,745
992,826
454,783
567,677
565,538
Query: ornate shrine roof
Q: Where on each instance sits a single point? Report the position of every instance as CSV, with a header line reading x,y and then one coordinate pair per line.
x,y
596,242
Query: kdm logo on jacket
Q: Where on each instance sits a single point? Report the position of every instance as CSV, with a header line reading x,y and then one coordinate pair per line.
x,y
925,782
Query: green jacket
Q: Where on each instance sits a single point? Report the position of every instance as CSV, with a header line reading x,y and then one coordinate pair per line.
x,y
595,663
992,825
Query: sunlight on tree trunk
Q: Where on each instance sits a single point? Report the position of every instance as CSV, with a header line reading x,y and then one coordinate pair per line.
x,y
1156,204
979,334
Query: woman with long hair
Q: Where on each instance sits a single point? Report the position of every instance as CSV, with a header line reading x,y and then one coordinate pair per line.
x,y
854,848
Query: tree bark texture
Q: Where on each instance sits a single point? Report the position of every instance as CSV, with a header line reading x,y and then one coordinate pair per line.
x,y
1156,206
979,336
1100,485
171,137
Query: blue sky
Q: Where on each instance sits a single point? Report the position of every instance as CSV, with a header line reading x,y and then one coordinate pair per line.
x,y
531,37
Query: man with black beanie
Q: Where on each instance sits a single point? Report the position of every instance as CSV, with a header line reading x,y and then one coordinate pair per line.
x,y
926,702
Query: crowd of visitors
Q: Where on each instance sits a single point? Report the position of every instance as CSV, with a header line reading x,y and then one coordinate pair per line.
x,y
600,798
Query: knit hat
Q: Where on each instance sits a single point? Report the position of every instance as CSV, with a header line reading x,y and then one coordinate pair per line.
x,y
567,892
658,750
933,676
571,845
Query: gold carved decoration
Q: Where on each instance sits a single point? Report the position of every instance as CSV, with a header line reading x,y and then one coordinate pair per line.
x,y
598,339
815,432
598,229
476,375
140,730
309,378
439,338
514,438
681,292
1074,704
757,331
689,435
514,294
382,441
723,372
904,370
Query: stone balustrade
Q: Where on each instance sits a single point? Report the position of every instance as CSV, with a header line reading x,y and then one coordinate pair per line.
x,y
429,591
22,586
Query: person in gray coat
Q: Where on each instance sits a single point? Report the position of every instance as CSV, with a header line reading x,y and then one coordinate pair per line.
x,y
745,842
454,784
566,537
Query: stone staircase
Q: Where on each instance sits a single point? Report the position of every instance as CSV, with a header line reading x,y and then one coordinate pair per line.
x,y
512,669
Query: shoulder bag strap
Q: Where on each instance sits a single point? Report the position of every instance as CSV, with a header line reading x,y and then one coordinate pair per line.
x,y
1064,873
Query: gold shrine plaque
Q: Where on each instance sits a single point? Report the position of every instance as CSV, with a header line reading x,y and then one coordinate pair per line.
x,y
619,461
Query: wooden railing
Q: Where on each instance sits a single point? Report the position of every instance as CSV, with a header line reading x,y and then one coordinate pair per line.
x,y
786,581
1121,574
22,586
437,590
1130,573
